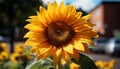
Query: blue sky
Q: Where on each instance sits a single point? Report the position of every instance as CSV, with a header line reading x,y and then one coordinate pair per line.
x,y
86,5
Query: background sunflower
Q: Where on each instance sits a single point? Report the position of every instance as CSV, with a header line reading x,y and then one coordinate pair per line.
x,y
20,48
15,57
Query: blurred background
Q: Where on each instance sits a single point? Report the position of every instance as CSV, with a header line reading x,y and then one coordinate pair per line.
x,y
105,14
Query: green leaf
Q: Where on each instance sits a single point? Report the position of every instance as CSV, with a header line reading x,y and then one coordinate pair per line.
x,y
46,64
85,62
40,64
34,65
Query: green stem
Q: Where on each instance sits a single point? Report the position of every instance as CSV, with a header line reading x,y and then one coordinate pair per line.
x,y
58,65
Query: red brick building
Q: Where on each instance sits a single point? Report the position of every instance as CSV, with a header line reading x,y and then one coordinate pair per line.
x,y
107,18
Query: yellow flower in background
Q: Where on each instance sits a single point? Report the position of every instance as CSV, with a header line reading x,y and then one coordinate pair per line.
x,y
74,66
20,48
111,63
3,47
59,31
3,51
15,57
4,55
100,64
105,64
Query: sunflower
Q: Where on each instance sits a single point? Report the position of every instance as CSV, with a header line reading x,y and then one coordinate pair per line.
x,y
3,55
15,57
20,48
59,31
3,47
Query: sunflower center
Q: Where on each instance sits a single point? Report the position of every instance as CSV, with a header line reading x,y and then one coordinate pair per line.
x,y
59,34
4,57
17,58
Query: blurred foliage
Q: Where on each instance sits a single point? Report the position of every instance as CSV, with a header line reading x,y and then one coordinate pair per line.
x,y
15,12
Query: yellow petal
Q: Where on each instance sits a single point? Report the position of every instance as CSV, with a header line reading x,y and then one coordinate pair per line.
x,y
44,52
51,12
45,49
87,50
45,14
38,55
33,49
66,56
35,40
33,17
42,9
69,8
49,53
76,23
37,20
76,54
34,27
90,33
68,48
84,39
56,56
79,46
78,14
41,18
62,6
90,24
79,23
56,8
87,17
28,34
34,35
29,42
66,12
73,20
81,28
70,18
73,10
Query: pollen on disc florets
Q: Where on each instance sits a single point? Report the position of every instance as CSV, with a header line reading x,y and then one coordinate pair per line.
x,y
59,34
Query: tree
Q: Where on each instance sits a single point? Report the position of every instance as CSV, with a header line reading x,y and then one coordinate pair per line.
x,y
15,12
